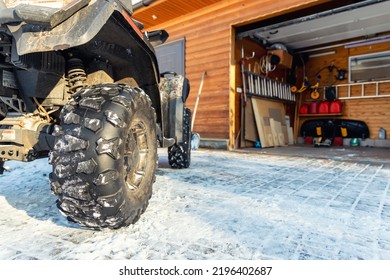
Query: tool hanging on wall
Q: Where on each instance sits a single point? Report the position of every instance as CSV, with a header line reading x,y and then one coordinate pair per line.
x,y
305,82
244,79
268,63
250,79
314,94
195,137
244,95
330,91
256,71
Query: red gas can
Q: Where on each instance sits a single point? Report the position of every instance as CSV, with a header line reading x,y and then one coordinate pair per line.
x,y
304,109
335,107
338,141
313,108
323,108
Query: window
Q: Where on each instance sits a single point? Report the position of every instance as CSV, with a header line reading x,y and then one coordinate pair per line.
x,y
369,67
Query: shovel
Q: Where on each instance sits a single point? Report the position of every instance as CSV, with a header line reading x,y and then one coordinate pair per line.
x,y
195,137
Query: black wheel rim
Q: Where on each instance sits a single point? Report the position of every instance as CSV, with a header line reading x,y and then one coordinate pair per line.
x,y
135,156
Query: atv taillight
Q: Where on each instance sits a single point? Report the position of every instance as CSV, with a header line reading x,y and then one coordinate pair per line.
x,y
46,3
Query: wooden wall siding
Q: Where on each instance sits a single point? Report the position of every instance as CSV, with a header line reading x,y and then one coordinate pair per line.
x,y
374,111
208,34
165,10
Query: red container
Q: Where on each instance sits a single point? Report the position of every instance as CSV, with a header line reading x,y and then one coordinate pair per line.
x,y
313,108
338,141
304,109
323,108
308,140
335,107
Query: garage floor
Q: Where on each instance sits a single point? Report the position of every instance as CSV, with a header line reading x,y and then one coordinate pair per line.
x,y
350,154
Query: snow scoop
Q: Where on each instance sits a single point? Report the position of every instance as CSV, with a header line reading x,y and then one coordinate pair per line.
x,y
195,137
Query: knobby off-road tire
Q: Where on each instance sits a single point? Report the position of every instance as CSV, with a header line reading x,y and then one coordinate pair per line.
x,y
179,155
105,156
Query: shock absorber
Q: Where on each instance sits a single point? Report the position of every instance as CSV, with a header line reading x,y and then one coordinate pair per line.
x,y
76,74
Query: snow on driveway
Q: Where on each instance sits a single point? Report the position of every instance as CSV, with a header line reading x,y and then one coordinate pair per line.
x,y
225,206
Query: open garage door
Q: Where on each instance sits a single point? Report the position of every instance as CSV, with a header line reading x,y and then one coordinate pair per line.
x,y
365,20
336,51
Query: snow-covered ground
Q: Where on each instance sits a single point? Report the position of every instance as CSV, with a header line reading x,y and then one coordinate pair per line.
x,y
226,206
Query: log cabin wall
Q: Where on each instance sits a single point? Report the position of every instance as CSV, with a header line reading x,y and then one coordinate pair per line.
x,y
375,112
210,46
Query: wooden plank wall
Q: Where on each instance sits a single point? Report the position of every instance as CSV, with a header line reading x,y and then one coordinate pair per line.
x,y
374,111
209,41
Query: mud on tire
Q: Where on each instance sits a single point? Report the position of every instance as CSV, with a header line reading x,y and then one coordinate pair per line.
x,y
179,155
105,156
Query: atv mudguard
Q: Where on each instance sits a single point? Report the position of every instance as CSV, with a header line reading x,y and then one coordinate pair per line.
x,y
174,90
43,29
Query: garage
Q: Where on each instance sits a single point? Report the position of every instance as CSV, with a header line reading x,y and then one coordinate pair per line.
x,y
306,46
316,76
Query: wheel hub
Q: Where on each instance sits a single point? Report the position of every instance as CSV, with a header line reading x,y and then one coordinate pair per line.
x,y
136,149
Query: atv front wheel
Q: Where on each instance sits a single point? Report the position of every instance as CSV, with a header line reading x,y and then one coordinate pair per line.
x,y
105,156
179,155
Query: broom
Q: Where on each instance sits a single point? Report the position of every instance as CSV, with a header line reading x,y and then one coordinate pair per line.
x,y
195,137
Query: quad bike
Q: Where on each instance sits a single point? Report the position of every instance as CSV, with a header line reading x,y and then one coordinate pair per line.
x,y
80,84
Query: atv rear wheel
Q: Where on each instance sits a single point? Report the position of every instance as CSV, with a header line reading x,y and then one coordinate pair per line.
x,y
179,155
105,156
